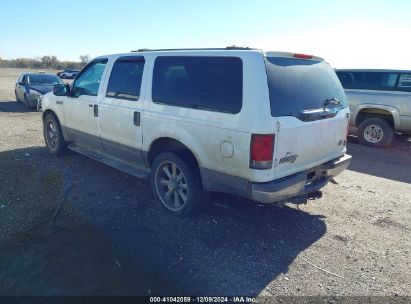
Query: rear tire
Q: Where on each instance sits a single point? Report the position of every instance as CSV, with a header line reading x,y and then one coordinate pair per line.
x,y
53,136
177,185
375,132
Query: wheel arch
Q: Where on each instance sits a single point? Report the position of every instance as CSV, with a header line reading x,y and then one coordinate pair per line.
x,y
170,144
388,113
63,129
47,112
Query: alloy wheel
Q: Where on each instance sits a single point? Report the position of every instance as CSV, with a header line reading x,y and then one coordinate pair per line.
x,y
171,186
373,134
51,135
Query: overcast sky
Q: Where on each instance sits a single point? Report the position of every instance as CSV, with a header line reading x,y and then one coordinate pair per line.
x,y
348,34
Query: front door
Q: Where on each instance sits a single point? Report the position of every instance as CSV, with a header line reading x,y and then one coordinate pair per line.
x,y
81,106
21,87
120,110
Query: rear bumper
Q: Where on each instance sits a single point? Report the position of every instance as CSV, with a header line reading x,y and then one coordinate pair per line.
x,y
300,183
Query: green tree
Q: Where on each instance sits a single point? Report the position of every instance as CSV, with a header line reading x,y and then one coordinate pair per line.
x,y
84,59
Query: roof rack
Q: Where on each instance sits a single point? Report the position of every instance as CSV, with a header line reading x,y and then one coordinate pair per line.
x,y
233,47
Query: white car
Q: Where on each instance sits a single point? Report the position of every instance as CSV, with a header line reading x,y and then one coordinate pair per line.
x,y
69,74
269,126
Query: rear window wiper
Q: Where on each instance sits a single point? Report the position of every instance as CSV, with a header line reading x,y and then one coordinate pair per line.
x,y
332,102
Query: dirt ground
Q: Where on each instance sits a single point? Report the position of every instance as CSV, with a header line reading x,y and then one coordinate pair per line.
x,y
111,238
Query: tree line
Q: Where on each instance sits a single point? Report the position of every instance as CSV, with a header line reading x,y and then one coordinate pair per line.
x,y
45,62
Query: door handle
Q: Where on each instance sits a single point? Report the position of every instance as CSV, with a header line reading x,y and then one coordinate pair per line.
x,y
136,118
59,102
95,110
90,106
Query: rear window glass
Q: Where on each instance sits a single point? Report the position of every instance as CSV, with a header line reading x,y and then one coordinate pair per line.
x,y
296,85
346,79
207,83
125,79
374,80
383,81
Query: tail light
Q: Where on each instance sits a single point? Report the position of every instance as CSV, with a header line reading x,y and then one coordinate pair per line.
x,y
303,56
261,151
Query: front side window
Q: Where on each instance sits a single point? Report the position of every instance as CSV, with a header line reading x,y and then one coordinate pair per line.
x,y
207,83
404,83
125,79
374,80
88,82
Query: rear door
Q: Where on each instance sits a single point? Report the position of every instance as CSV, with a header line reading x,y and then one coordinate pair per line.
x,y
310,108
121,108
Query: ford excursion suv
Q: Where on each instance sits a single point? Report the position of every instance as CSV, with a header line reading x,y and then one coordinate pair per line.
x,y
268,126
380,103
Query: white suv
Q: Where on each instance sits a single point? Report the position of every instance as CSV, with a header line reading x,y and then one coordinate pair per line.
x,y
268,126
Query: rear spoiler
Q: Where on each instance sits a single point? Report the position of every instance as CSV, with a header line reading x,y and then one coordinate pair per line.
x,y
292,55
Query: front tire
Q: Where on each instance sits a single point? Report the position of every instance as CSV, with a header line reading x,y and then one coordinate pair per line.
x,y
53,136
375,132
177,185
26,103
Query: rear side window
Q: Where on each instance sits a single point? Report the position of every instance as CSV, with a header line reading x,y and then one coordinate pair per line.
x,y
125,79
404,83
374,80
346,79
207,83
296,85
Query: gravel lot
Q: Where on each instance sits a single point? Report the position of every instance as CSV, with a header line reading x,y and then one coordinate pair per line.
x,y
111,239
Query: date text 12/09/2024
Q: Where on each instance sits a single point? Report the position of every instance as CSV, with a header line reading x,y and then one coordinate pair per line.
x,y
239,299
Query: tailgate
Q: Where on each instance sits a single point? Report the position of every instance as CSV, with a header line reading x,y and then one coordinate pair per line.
x,y
310,107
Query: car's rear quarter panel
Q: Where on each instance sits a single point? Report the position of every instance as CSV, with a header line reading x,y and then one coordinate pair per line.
x,y
203,131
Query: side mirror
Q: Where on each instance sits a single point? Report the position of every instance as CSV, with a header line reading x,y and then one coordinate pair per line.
x,y
61,89
20,83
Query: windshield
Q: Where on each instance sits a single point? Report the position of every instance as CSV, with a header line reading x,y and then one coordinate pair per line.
x,y
43,79
296,85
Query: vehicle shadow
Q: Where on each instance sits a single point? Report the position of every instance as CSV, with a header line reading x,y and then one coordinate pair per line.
x,y
380,161
13,106
112,238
